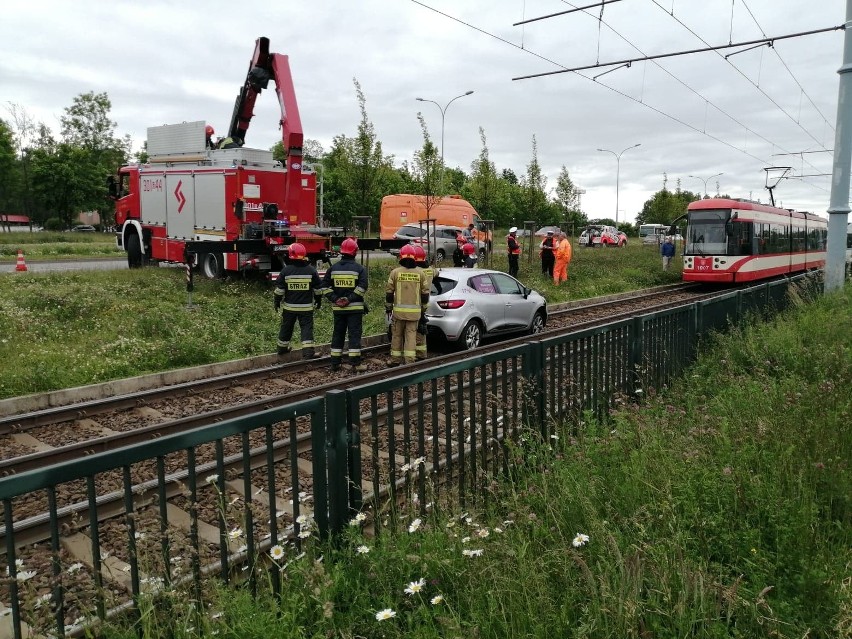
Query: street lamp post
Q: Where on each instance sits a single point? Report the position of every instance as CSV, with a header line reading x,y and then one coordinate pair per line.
x,y
706,181
443,114
618,173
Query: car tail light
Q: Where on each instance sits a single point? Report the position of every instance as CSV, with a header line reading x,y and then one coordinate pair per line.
x,y
450,304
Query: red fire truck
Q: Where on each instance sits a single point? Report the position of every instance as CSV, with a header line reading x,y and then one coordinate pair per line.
x,y
220,205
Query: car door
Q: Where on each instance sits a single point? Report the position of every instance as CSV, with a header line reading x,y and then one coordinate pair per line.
x,y
489,304
518,312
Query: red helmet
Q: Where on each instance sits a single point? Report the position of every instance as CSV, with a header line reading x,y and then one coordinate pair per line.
x,y
419,253
349,246
408,252
297,251
209,130
468,249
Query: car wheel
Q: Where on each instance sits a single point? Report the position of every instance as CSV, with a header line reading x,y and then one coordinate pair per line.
x,y
212,267
471,336
440,255
538,321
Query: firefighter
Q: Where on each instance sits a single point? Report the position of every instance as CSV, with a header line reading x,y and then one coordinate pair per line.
x,y
428,273
469,252
345,284
514,250
299,287
406,298
209,132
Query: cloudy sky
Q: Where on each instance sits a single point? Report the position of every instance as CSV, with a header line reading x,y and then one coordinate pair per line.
x,y
164,62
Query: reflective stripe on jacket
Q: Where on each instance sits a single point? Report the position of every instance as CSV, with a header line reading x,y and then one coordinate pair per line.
x,y
407,288
298,285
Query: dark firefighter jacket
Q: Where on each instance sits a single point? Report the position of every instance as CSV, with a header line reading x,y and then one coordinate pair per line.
x,y
300,286
346,278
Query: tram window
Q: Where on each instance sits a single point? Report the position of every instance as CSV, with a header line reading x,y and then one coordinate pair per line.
x,y
798,239
740,240
762,238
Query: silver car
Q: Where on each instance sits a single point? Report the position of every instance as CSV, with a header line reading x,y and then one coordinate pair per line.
x,y
441,244
467,305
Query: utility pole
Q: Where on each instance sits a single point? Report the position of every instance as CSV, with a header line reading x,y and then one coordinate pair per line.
x,y
838,210
618,173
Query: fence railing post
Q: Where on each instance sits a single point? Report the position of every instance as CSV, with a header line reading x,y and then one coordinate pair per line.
x,y
336,446
637,331
533,371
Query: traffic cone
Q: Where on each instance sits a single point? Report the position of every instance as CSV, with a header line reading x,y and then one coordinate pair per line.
x,y
21,265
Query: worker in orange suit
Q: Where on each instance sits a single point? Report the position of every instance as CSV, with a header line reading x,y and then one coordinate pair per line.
x,y
563,258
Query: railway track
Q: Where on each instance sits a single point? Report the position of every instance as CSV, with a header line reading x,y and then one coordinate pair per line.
x,y
226,477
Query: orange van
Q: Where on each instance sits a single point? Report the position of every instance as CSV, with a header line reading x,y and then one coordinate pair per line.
x,y
450,210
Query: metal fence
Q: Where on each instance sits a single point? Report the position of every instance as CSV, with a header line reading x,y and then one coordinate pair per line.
x,y
246,492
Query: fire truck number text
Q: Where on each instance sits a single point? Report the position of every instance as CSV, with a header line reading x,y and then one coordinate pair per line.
x,y
152,184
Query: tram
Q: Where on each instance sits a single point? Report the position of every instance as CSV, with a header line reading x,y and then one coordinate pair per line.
x,y
733,240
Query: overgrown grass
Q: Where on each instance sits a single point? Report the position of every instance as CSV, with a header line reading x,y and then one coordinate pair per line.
x,y
46,245
75,328
720,508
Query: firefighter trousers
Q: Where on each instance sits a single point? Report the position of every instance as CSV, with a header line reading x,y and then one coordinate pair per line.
x,y
421,345
352,323
306,328
403,341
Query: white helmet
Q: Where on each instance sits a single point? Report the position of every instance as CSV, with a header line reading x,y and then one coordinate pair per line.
x,y
514,229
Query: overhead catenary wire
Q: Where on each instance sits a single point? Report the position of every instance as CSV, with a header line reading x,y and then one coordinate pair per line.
x,y
674,54
792,75
562,13
735,67
621,93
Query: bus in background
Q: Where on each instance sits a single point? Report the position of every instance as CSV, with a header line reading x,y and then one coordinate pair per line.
x,y
652,233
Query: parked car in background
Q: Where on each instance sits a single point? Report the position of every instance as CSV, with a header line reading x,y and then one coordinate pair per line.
x,y
83,228
597,235
467,305
441,243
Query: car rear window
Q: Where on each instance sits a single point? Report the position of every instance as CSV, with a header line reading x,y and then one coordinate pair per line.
x,y
442,285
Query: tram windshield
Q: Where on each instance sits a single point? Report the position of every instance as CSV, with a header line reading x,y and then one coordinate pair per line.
x,y
705,232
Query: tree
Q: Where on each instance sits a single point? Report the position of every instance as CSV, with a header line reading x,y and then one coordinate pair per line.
x,y
664,206
427,169
357,173
64,180
8,176
87,126
482,187
568,200
534,204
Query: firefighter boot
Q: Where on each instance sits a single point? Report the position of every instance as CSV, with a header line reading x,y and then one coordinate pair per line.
x,y
283,350
309,353
335,364
359,367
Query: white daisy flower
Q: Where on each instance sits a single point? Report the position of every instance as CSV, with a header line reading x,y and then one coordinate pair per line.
x,y
387,613
415,586
276,552
437,599
414,526
580,540
362,550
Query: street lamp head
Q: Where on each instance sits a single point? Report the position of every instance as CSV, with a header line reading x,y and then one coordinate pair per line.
x,y
420,99
469,92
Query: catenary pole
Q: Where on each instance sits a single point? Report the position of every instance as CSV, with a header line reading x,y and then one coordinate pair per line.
x,y
838,209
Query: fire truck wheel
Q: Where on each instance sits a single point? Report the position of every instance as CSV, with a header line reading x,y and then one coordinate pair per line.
x,y
212,267
134,251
